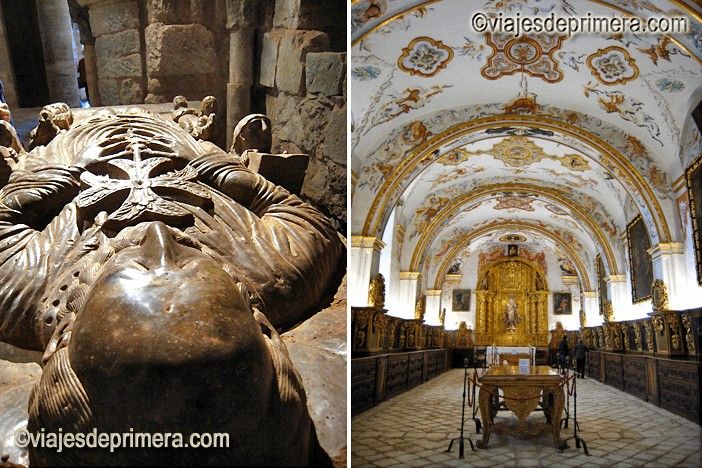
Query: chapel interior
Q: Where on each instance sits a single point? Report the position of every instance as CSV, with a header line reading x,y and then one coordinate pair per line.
x,y
510,192
143,136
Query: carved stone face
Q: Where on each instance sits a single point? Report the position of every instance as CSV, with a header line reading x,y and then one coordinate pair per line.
x,y
163,315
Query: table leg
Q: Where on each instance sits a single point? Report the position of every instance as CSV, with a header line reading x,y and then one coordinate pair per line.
x,y
485,400
558,403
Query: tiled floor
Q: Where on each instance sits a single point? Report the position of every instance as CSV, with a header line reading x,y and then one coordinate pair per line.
x,y
414,429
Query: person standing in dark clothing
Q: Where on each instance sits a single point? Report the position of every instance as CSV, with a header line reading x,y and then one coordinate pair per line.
x,y
563,352
579,351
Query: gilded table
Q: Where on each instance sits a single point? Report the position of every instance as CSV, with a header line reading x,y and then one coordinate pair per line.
x,y
522,393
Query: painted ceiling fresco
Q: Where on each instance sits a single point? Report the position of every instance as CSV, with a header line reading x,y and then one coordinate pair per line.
x,y
439,111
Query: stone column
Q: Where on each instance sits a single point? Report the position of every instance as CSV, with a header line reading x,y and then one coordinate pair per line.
x,y
591,307
619,295
57,42
669,265
80,16
409,292
6,70
242,20
91,73
365,259
433,307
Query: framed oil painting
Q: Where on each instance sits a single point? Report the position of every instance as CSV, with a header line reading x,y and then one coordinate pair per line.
x,y
639,260
562,303
461,300
693,176
601,282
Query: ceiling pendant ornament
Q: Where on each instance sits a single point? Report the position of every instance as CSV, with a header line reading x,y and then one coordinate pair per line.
x,y
425,57
513,238
533,55
612,66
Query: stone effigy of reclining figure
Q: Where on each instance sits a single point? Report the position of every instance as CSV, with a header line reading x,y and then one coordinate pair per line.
x,y
154,271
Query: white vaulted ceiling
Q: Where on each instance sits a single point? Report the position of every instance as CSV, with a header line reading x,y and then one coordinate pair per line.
x,y
462,140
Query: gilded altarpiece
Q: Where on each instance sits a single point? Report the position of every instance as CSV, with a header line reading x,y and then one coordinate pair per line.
x,y
512,304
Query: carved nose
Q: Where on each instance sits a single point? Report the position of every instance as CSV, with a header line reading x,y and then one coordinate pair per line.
x,y
159,248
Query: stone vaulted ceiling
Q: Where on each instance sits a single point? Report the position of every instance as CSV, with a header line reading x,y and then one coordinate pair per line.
x,y
469,137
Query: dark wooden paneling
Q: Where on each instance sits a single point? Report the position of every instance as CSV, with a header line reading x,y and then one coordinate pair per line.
x,y
415,375
396,379
613,370
377,378
652,380
634,370
593,365
678,387
363,381
435,363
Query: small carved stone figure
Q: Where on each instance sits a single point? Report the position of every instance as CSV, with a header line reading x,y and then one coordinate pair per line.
x,y
52,119
10,145
252,133
197,124
155,273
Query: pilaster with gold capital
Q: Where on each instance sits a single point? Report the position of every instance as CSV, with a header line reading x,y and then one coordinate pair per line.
x,y
365,260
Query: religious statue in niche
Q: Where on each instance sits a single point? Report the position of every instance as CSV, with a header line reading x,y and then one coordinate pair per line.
x,y
512,250
155,272
511,316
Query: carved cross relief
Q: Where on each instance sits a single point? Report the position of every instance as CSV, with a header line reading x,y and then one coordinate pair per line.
x,y
134,180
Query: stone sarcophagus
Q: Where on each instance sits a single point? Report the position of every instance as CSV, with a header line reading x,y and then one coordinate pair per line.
x,y
155,272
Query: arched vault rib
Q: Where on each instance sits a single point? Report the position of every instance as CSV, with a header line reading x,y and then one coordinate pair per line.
x,y
401,178
455,206
473,235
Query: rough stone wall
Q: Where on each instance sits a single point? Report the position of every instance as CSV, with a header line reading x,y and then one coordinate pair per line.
x,y
303,70
118,49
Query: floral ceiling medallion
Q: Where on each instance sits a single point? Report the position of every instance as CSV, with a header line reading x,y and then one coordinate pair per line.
x,y
424,56
612,66
532,55
518,151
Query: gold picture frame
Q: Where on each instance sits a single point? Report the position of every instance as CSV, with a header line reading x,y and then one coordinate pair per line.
x,y
638,245
693,179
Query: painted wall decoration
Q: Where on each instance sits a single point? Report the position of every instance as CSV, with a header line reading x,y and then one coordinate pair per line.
x,y
410,99
533,55
461,300
514,203
612,66
640,263
628,108
424,56
693,175
561,303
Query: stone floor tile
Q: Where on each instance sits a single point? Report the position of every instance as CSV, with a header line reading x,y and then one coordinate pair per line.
x,y
619,429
